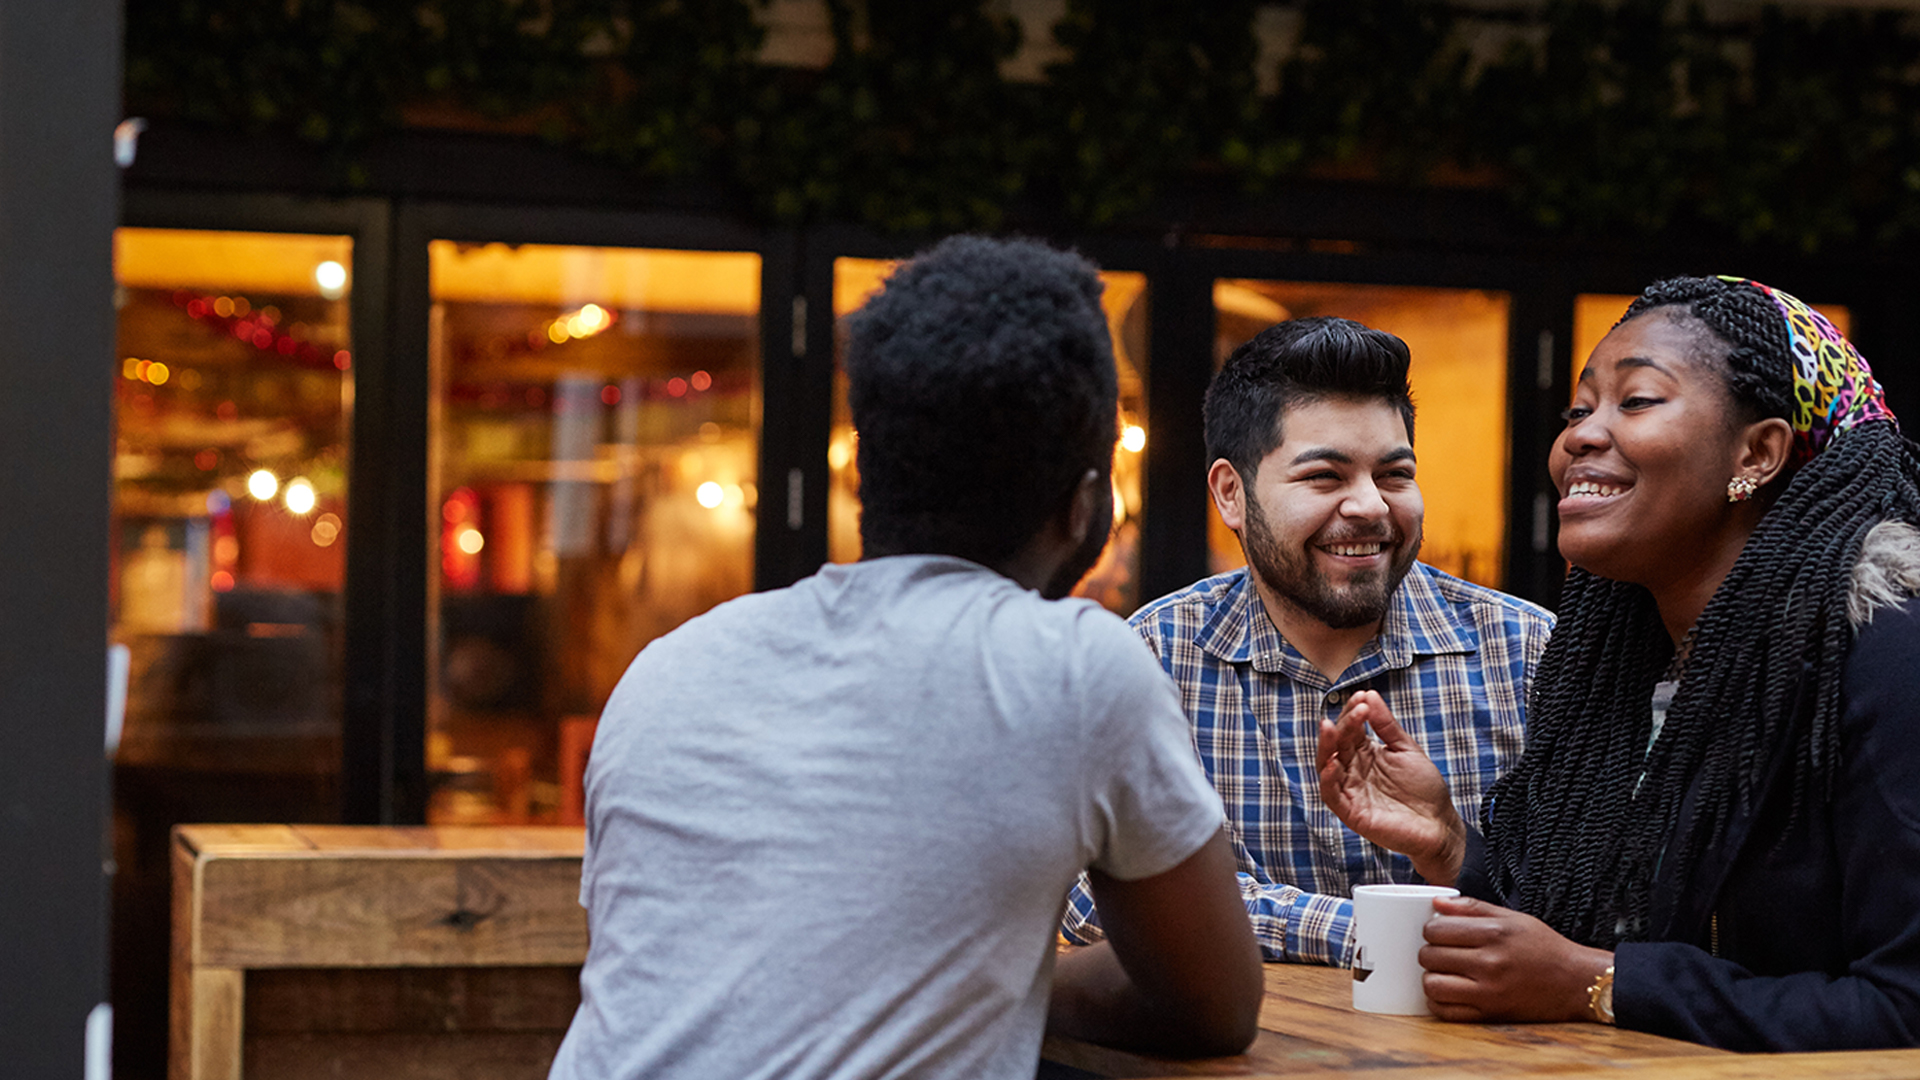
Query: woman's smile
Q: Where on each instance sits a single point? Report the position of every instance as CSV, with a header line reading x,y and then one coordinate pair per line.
x,y
1587,492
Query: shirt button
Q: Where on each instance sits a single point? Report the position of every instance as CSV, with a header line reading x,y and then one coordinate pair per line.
x,y
1336,698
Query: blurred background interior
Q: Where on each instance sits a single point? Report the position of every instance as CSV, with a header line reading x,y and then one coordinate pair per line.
x,y
425,427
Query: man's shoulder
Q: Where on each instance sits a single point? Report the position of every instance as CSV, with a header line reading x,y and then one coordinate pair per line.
x,y
1482,605
1191,606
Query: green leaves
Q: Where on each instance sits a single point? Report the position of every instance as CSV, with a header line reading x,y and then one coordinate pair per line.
x,y
1596,116
910,127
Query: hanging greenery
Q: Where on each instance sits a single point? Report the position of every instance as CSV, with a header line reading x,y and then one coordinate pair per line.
x,y
910,127
1596,117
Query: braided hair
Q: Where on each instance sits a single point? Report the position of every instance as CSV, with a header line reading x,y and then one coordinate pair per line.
x,y
1761,685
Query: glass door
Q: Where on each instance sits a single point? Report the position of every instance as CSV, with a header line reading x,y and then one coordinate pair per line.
x,y
233,402
595,438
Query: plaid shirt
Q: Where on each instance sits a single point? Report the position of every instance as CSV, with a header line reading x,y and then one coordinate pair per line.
x,y
1454,662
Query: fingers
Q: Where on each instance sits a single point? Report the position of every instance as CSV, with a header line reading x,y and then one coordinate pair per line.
x,y
1341,739
1371,707
1350,729
1468,906
1456,1014
1326,753
1448,990
1462,932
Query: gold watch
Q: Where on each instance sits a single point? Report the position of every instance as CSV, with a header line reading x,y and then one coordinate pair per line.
x,y
1600,997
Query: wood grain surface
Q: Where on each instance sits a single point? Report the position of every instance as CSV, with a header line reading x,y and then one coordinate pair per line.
x,y
402,1056
1308,1025
364,951
1309,1030
307,951
390,912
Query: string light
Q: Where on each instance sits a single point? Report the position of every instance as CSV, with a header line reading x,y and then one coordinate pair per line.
x,y
235,315
326,529
300,496
332,279
588,321
151,372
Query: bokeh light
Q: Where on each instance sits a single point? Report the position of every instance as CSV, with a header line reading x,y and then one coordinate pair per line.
x,y
261,484
300,496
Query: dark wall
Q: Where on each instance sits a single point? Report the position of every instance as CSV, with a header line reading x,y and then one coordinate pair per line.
x,y
59,95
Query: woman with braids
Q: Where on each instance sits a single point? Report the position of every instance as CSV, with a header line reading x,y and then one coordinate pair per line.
x,y
1714,832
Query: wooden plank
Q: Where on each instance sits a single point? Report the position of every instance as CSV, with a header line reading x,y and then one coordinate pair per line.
x,y
1853,1065
1316,1003
555,840
1308,1025
1833,1065
424,1000
1332,988
180,961
238,839
415,1056
1270,1054
390,911
217,1016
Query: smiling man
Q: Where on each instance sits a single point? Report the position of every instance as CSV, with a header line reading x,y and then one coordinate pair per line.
x,y
1310,430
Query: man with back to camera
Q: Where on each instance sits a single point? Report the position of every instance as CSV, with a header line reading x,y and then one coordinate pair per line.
x,y
783,787
1310,430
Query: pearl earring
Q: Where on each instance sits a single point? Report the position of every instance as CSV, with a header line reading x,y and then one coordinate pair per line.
x,y
1741,488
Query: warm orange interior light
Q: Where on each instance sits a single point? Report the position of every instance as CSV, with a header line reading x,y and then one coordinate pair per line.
x,y
623,279
224,262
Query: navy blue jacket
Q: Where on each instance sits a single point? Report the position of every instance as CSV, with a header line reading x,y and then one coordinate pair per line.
x,y
1819,927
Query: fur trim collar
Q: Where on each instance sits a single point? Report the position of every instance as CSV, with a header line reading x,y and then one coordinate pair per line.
x,y
1887,573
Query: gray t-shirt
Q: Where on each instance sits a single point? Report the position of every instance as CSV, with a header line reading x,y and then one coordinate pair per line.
x,y
831,827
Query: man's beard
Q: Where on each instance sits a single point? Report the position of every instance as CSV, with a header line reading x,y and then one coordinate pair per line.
x,y
1083,557
1294,577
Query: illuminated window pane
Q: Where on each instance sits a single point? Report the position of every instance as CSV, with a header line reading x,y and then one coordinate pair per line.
x,y
232,390
1458,338
1114,580
1595,313
595,453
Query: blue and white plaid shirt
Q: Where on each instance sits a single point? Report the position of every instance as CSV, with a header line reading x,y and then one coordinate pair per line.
x,y
1454,662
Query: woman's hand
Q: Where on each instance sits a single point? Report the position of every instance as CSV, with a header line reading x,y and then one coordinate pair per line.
x,y
1488,963
1390,792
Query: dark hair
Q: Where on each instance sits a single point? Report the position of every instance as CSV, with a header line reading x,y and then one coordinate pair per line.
x,y
1760,687
982,384
1293,362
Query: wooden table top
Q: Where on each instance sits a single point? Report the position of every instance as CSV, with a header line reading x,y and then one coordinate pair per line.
x,y
372,841
1309,1028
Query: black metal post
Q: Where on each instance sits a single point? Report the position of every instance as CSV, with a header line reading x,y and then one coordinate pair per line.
x,y
1174,549
59,97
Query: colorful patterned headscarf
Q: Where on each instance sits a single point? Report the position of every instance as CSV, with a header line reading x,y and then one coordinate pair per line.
x,y
1833,389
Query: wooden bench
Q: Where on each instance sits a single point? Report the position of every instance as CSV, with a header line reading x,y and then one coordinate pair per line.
x,y
309,951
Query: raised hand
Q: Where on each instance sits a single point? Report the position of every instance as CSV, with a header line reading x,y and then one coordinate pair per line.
x,y
1390,792
1485,962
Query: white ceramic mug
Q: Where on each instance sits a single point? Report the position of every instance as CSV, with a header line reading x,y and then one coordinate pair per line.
x,y
1388,921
